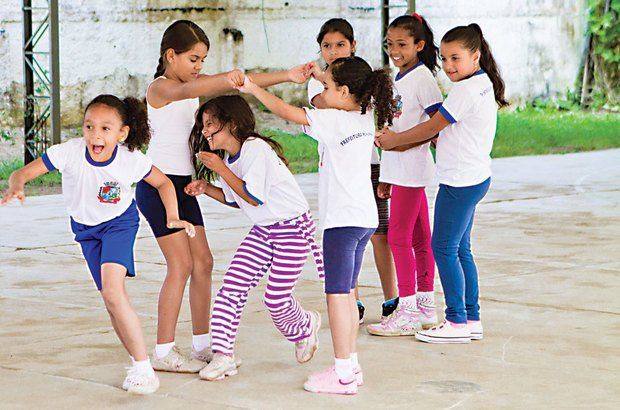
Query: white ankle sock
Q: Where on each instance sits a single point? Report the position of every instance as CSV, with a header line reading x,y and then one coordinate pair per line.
x,y
162,350
354,361
344,369
201,342
408,301
144,367
430,295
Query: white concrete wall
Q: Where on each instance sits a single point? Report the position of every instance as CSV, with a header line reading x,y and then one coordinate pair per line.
x,y
112,45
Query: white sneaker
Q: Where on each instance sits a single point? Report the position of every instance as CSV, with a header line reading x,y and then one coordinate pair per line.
x,y
403,322
445,332
137,382
205,355
428,311
305,348
475,327
176,362
221,366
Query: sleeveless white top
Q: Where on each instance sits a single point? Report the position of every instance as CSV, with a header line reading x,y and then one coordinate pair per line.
x,y
171,126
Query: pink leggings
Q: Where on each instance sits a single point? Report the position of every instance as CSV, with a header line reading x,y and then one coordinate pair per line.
x,y
409,230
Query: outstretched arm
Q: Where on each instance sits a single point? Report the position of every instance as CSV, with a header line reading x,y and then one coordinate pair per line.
x,y
19,178
168,196
420,134
275,104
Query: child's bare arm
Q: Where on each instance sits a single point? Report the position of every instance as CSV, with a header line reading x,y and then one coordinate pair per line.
x,y
19,178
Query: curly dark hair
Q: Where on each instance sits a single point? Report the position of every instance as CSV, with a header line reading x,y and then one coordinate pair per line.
x,y
230,110
372,89
133,114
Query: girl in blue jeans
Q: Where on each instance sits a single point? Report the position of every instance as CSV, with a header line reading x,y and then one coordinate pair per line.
x,y
466,123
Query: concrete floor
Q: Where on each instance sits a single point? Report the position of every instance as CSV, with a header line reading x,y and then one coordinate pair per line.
x,y
547,245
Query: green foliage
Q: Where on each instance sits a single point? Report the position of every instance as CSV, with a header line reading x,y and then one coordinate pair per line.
x,y
605,31
7,167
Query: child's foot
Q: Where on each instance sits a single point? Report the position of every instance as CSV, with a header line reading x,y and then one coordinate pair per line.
x,y
445,332
403,322
361,309
221,366
206,355
176,362
327,381
388,307
305,348
139,382
428,311
475,328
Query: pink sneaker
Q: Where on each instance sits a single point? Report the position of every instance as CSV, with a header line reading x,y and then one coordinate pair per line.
x,y
475,327
327,381
428,311
403,322
445,332
359,376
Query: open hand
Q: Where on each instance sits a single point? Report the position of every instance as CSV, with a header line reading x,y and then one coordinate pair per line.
x,y
196,188
300,73
13,192
188,227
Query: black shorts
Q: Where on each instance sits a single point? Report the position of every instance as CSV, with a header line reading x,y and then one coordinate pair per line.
x,y
382,204
151,206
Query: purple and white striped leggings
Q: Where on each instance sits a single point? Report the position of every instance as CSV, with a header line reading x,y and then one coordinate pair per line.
x,y
283,247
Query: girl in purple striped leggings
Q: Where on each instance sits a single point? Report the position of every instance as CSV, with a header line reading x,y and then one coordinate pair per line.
x,y
255,178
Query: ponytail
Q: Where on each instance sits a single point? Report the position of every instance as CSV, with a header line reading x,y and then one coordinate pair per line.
x,y
372,89
161,68
420,31
471,38
133,114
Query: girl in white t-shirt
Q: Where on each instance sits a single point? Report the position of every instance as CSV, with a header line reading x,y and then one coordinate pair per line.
x,y
172,101
98,172
348,212
405,173
336,40
255,178
466,124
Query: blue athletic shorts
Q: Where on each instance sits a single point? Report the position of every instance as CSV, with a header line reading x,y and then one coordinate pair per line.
x,y
343,252
109,242
151,206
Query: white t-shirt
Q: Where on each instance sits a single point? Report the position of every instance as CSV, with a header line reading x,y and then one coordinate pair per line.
x,y
417,94
96,192
268,181
464,147
346,142
171,126
315,87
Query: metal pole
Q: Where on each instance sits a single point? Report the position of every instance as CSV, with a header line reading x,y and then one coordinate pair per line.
x,y
385,21
28,79
55,71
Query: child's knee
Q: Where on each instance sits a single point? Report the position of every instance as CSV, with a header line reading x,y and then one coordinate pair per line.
x,y
112,297
180,269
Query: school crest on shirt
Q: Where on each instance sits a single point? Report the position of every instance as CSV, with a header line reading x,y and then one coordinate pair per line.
x,y
398,106
109,193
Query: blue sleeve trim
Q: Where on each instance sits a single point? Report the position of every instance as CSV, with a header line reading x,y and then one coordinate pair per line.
x,y
446,115
431,109
245,188
148,173
48,163
233,204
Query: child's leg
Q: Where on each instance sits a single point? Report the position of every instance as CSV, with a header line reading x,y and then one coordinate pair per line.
x,y
289,258
357,267
454,209
122,313
425,262
249,264
385,265
471,274
200,282
404,209
177,253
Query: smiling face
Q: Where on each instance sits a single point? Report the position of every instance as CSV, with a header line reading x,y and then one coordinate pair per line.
x,y
103,129
186,66
402,48
334,46
458,62
218,136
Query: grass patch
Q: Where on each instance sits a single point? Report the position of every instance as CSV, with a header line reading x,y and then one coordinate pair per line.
x,y
300,150
51,179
